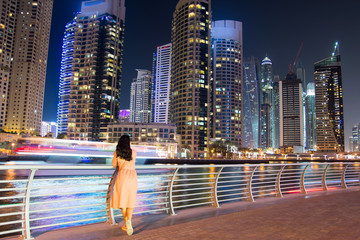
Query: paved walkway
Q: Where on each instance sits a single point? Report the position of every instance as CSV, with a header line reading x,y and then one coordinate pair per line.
x,y
321,215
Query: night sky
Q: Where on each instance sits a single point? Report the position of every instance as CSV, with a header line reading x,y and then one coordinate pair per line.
x,y
275,28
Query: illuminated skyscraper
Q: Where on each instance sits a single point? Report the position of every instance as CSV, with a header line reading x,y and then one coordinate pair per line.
x,y
310,117
251,102
190,74
329,104
96,71
65,77
8,11
140,97
275,127
161,84
355,138
291,111
265,103
227,83
26,30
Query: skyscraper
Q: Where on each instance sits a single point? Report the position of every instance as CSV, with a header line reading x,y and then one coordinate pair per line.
x,y
266,119
310,117
251,102
8,11
291,111
96,71
140,97
355,138
65,77
275,129
227,83
190,74
329,104
161,84
28,31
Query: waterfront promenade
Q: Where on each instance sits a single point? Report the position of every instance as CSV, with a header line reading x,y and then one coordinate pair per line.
x,y
317,215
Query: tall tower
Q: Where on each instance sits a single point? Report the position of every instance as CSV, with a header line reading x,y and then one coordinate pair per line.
x,y
28,32
96,71
266,101
8,11
227,83
190,74
275,129
161,84
310,119
65,77
291,111
329,104
140,97
251,102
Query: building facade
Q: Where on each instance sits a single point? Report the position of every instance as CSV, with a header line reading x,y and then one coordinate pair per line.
x,y
275,129
96,72
291,111
28,30
329,104
65,77
251,102
227,81
266,118
161,84
190,74
48,127
140,97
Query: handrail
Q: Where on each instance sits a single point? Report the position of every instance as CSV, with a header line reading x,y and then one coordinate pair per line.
x,y
156,192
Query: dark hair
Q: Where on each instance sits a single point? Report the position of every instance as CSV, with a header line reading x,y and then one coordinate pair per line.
x,y
123,149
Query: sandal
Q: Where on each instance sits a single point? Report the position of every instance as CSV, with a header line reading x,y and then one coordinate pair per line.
x,y
129,229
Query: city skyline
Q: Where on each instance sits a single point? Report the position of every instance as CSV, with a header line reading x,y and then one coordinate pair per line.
x,y
264,33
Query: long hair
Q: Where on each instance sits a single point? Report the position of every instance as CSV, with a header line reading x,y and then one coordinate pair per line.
x,y
123,149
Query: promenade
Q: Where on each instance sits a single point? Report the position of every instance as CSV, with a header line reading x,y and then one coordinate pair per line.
x,y
317,215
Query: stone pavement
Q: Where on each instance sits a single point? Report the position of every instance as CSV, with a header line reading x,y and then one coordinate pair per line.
x,y
318,215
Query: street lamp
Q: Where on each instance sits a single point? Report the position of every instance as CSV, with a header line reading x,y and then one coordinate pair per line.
x,y
12,147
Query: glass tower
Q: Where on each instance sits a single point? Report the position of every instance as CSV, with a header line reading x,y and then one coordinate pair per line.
x,y
227,83
310,119
329,104
265,103
96,72
190,74
251,102
65,77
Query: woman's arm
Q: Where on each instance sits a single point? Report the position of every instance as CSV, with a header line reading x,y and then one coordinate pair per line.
x,y
114,160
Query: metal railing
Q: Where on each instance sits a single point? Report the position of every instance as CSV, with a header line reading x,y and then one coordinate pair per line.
x,y
41,198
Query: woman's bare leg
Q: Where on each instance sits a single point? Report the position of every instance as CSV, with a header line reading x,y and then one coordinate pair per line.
x,y
123,211
129,213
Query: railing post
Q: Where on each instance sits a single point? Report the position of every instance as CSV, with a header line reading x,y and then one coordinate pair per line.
x,y
26,232
324,186
171,186
216,202
278,187
251,197
302,181
109,211
343,177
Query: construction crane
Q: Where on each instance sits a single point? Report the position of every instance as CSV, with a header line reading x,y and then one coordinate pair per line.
x,y
291,66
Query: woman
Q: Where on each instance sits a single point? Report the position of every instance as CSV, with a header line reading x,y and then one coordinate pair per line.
x,y
125,186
